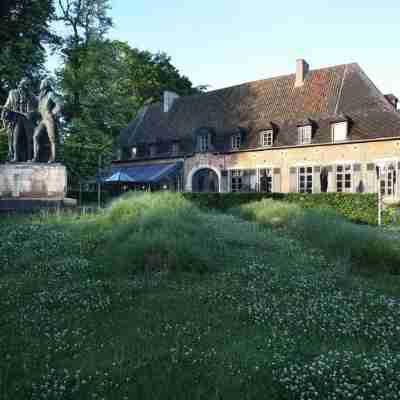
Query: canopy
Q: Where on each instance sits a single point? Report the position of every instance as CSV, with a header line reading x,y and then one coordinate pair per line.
x,y
119,176
150,173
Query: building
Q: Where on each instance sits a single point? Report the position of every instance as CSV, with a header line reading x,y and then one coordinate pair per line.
x,y
313,131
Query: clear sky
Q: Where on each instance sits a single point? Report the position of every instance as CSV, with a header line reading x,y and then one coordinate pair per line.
x,y
226,42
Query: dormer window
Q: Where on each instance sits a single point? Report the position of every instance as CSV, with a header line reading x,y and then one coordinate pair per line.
x,y
236,141
134,152
267,138
175,148
339,131
153,150
305,134
203,143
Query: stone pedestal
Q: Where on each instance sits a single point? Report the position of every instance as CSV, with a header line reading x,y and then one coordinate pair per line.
x,y
33,181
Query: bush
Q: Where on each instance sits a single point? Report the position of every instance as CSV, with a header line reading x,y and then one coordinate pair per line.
x,y
357,207
153,232
268,212
365,248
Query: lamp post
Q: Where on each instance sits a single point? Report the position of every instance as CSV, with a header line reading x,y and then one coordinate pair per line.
x,y
380,172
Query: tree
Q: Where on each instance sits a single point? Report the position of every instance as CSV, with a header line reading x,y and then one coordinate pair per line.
x,y
118,81
24,30
88,22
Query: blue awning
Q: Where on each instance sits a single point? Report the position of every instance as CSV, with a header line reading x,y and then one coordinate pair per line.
x,y
119,177
150,173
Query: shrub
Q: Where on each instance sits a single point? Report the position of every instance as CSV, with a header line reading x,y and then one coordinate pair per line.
x,y
268,212
357,207
364,247
160,232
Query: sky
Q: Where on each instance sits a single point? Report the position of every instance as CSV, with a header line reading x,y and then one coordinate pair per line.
x,y
222,43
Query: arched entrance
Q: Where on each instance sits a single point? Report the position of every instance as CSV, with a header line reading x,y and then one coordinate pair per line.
x,y
205,180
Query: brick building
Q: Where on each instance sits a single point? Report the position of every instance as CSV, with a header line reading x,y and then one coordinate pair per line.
x,y
321,130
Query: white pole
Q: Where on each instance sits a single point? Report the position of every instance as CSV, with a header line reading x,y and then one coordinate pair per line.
x,y
99,183
379,202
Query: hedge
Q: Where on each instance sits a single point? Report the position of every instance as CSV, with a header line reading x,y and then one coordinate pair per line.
x,y
357,207
90,197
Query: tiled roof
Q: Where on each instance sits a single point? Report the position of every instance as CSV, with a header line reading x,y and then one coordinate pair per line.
x,y
327,94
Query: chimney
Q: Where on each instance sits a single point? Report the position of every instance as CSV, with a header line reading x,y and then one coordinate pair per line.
x,y
301,71
392,99
168,100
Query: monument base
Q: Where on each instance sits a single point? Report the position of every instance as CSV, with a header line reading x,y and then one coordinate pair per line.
x,y
36,181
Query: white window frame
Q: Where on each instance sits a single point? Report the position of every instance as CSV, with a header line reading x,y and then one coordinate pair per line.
x,y
270,180
388,184
305,134
237,175
175,148
307,174
342,171
339,125
203,143
267,138
236,141
153,150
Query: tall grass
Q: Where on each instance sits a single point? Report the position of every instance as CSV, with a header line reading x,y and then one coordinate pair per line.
x,y
160,232
365,248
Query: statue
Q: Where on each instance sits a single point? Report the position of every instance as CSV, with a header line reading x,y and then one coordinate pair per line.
x,y
49,107
17,116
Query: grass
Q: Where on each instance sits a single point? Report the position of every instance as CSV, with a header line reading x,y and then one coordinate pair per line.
x,y
153,298
364,248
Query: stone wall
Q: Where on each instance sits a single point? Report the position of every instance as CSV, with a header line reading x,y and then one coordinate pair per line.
x,y
286,160
36,180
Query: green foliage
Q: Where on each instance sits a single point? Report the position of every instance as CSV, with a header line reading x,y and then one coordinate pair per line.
x,y
362,247
3,145
24,29
356,207
162,232
269,317
114,81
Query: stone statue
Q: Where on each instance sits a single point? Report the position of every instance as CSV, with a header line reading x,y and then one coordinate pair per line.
x,y
49,107
17,116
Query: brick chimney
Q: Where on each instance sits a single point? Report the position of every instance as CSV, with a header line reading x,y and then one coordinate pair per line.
x,y
168,100
302,69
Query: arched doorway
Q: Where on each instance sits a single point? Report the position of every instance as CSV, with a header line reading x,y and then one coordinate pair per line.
x,y
205,180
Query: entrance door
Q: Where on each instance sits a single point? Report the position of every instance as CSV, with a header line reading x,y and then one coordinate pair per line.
x,y
205,180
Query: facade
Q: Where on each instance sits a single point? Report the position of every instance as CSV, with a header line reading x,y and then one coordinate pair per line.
x,y
313,131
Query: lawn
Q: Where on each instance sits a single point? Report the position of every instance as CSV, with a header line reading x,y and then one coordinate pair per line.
x,y
156,299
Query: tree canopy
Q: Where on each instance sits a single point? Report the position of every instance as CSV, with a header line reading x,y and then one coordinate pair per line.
x,y
103,82
116,80
24,30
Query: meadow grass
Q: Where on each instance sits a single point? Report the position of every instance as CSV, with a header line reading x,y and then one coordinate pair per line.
x,y
219,308
364,248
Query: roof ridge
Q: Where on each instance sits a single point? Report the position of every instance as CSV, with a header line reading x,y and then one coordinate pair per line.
x,y
341,89
378,91
211,92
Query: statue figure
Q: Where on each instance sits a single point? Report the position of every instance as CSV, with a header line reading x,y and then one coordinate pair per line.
x,y
17,116
49,107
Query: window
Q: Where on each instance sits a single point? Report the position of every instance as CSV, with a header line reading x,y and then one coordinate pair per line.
x,y
175,148
134,152
236,180
153,150
305,179
388,182
265,180
267,138
343,178
203,143
236,141
305,133
339,131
